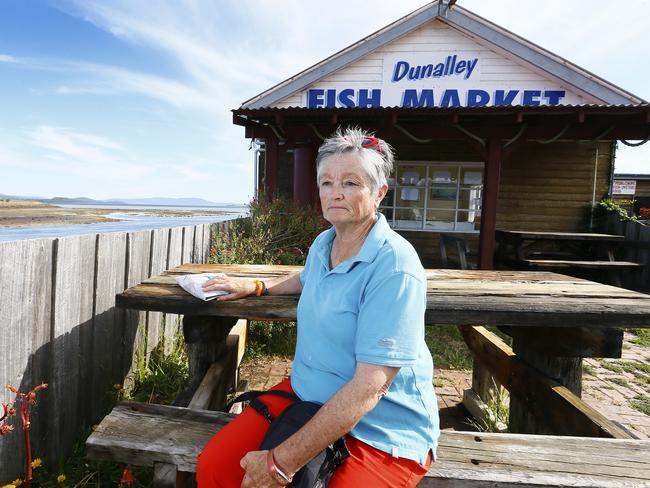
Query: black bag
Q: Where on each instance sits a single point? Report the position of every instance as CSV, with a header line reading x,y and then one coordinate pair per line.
x,y
317,472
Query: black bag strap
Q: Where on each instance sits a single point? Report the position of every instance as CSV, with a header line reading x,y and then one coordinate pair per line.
x,y
252,397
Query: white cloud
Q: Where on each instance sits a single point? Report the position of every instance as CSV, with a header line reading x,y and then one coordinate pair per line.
x,y
79,153
6,58
112,80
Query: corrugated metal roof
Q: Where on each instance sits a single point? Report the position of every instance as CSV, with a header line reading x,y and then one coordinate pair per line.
x,y
631,176
501,108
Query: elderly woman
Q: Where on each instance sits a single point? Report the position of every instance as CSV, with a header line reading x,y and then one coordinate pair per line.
x,y
360,349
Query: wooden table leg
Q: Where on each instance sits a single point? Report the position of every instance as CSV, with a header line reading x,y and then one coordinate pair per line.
x,y
565,370
205,341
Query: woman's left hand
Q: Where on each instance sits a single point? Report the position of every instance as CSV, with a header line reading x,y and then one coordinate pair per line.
x,y
257,474
234,287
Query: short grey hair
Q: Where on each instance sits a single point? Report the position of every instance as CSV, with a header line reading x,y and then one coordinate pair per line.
x,y
377,165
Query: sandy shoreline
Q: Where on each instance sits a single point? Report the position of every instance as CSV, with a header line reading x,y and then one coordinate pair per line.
x,y
24,213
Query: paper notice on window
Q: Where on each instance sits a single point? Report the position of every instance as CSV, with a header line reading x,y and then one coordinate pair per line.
x,y
441,177
473,178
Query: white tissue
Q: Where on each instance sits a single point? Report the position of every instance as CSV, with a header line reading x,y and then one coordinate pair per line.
x,y
193,284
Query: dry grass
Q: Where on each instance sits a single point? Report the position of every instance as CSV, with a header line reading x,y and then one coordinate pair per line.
x,y
15,204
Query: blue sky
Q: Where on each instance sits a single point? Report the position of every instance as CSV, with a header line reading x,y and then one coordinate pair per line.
x,y
132,98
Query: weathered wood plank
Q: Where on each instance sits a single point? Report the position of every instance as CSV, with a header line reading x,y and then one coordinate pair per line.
x,y
465,309
164,475
188,244
159,247
136,434
564,263
554,236
566,371
172,321
631,234
108,321
71,342
218,380
578,342
205,342
207,242
143,434
643,256
471,288
198,253
26,320
135,321
563,412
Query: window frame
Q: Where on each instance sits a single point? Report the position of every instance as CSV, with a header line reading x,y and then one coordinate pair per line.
x,y
428,187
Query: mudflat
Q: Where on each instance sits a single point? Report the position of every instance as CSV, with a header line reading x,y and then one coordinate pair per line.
x,y
27,213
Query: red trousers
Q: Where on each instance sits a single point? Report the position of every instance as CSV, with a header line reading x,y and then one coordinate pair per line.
x,y
218,464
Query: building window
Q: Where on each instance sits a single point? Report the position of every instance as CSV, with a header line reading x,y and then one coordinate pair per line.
x,y
440,196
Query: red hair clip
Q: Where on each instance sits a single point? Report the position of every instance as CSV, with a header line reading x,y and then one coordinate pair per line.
x,y
371,141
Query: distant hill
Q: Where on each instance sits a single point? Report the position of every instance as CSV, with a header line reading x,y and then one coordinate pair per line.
x,y
156,201
80,201
187,202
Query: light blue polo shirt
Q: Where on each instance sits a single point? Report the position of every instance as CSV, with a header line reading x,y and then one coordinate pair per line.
x,y
369,309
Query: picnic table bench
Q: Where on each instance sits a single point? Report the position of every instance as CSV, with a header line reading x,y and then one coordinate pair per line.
x,y
170,438
569,251
555,320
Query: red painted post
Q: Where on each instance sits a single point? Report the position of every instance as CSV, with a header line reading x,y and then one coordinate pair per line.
x,y
271,168
304,174
489,210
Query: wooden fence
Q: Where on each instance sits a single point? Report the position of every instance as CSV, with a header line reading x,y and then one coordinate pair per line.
x,y
59,325
636,248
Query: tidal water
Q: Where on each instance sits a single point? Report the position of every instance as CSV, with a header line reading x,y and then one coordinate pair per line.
x,y
128,222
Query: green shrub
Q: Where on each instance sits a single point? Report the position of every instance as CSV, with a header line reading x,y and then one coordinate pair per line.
x,y
271,339
607,205
162,377
276,232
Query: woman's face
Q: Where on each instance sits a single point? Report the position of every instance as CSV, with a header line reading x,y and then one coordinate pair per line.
x,y
346,193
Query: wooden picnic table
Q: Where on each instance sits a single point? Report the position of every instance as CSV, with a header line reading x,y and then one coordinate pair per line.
x,y
573,252
554,319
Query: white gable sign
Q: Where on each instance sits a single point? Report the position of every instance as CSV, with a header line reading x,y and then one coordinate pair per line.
x,y
439,79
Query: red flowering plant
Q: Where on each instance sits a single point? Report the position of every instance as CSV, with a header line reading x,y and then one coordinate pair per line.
x,y
644,212
24,402
8,410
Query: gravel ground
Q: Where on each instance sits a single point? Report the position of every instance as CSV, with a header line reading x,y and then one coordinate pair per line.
x,y
618,388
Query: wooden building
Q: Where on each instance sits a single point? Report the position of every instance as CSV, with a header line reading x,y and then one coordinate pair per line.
x,y
490,129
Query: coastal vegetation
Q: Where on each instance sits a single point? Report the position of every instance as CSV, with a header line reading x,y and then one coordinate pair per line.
x,y
156,380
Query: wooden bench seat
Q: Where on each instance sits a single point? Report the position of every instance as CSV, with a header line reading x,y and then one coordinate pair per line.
x,y
567,263
155,435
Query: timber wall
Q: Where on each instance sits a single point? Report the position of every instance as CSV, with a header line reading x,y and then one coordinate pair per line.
x,y
549,187
543,187
59,325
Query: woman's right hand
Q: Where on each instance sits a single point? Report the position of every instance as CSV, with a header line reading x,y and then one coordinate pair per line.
x,y
234,287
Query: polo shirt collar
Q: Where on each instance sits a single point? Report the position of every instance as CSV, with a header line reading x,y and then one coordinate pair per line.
x,y
367,253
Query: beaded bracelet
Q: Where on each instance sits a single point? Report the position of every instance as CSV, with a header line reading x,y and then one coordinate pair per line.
x,y
260,288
